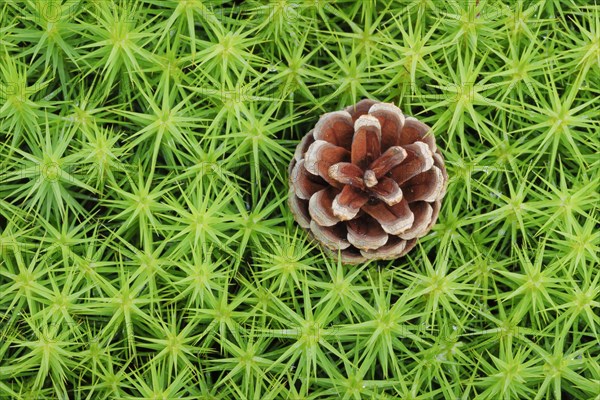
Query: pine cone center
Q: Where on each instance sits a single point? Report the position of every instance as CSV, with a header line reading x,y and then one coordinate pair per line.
x,y
370,178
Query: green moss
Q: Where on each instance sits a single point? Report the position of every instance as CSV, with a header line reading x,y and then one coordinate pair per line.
x,y
146,247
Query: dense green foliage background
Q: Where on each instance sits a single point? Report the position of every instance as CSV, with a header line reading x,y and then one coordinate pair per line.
x,y
147,251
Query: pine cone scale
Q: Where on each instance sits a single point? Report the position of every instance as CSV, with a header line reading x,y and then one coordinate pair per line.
x,y
366,144
393,219
422,212
392,249
302,147
360,108
332,237
391,121
426,186
299,209
388,191
418,160
391,158
320,207
306,183
320,156
413,131
365,233
347,174
336,128
348,203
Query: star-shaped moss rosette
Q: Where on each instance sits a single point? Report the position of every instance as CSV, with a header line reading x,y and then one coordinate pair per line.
x,y
367,181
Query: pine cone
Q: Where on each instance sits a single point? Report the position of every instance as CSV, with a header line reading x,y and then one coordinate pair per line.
x,y
367,181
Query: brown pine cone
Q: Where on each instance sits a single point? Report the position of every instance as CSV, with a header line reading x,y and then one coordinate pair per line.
x,y
367,181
